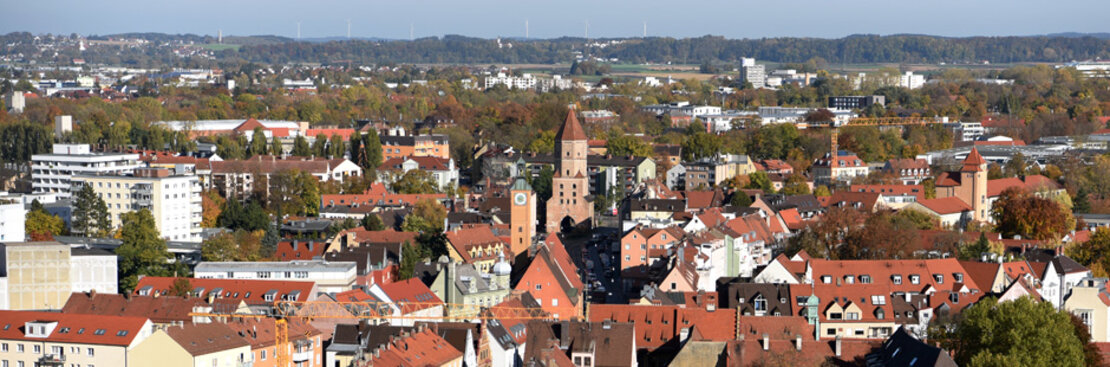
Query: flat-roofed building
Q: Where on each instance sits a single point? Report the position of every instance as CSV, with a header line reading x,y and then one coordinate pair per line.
x,y
329,276
53,173
173,200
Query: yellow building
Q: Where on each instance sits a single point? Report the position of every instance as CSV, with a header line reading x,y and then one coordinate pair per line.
x,y
29,338
173,200
36,276
1088,301
193,345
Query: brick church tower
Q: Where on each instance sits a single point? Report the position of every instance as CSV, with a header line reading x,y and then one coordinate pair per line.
x,y
570,203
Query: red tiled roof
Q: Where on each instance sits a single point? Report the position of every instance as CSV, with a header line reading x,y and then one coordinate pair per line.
x,y
162,310
915,190
864,200
418,348
982,273
1032,183
271,164
376,195
389,236
249,125
973,161
571,129
299,250
882,273
948,205
329,132
463,239
354,295
792,219
73,328
657,325
260,333
202,339
251,291
947,179
412,294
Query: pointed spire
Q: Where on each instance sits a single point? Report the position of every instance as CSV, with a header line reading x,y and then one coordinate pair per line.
x,y
571,130
973,161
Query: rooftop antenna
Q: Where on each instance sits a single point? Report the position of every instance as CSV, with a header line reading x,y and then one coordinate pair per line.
x,y
348,28
298,30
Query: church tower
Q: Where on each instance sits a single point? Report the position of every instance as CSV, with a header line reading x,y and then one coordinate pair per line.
x,y
973,182
570,187
522,216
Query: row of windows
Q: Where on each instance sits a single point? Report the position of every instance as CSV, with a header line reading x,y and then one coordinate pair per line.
x,y
37,349
896,278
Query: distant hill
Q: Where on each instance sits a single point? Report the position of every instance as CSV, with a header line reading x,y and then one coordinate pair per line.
x,y
1100,35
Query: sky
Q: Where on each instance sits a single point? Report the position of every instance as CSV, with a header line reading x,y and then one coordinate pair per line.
x,y
548,19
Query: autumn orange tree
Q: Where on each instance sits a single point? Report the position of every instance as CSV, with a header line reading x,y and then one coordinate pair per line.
x,y
1019,213
1093,252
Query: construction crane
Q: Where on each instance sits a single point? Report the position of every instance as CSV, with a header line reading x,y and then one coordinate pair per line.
x,y
875,121
307,311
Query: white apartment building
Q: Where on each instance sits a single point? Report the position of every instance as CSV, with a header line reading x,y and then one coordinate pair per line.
x,y
752,73
330,276
911,81
53,173
93,269
13,217
173,200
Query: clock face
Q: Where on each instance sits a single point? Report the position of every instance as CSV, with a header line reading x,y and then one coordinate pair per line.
x,y
520,198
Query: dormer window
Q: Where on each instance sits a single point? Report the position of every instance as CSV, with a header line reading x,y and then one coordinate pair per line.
x,y
939,278
959,277
849,279
954,297
865,279
897,279
915,279
826,279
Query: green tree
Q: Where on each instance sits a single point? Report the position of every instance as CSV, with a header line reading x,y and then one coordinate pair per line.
x,y
336,147
544,143
300,147
410,256
427,216
372,156
740,199
90,214
320,146
372,222
415,182
1093,252
42,226
258,142
143,251
796,184
181,288
354,147
1015,333
294,192
821,191
760,180
974,250
917,219
700,145
276,147
541,184
220,247
237,216
621,145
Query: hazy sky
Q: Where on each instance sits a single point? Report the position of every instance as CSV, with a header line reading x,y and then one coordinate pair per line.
x,y
619,18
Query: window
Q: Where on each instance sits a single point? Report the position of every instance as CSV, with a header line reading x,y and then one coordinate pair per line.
x,y
939,278
853,316
897,279
263,274
100,332
880,314
554,302
915,279
1084,315
4,347
878,300
37,349
19,348
121,333
836,316
830,331
760,303
826,279
865,279
849,279
959,277
56,350
954,297
539,287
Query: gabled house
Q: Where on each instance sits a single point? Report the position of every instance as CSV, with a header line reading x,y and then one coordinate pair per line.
x,y
418,347
409,301
33,338
476,245
443,171
552,279
844,166
194,345
1061,274
639,244
909,171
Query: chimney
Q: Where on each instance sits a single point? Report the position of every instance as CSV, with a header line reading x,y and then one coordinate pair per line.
x,y
836,346
767,342
798,341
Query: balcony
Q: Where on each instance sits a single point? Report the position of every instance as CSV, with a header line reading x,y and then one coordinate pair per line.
x,y
302,356
51,360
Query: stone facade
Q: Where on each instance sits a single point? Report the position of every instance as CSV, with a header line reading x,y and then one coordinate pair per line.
x,y
570,203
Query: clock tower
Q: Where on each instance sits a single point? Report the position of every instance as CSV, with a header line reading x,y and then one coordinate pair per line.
x,y
522,217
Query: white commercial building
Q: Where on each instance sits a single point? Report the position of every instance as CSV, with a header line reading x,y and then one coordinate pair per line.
x,y
93,269
911,81
752,73
173,200
52,173
330,276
